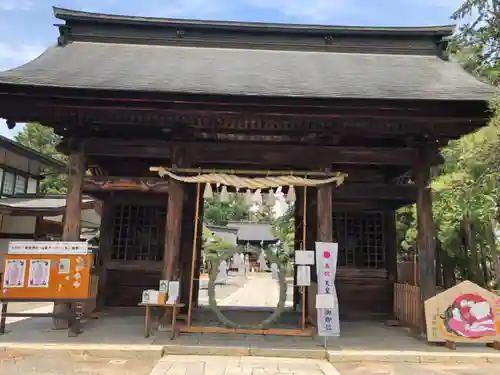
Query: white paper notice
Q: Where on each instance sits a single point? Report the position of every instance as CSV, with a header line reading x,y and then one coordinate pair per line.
x,y
304,257
15,270
325,301
39,273
303,276
173,291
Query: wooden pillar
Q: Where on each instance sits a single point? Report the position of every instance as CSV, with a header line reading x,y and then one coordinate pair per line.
x,y
72,221
173,230
186,246
426,234
199,246
104,252
325,213
390,245
324,233
298,239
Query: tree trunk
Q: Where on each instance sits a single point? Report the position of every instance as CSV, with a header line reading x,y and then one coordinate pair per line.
x,y
439,264
449,278
491,238
474,268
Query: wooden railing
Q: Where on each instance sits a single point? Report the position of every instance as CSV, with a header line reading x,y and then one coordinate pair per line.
x,y
407,307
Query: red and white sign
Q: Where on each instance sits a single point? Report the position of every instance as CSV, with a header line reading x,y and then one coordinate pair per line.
x,y
326,266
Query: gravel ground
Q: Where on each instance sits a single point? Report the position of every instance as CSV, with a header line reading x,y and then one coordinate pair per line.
x,y
417,369
56,363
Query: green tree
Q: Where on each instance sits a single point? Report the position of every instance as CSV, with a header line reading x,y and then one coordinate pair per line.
x,y
466,191
220,213
284,229
476,45
44,140
264,214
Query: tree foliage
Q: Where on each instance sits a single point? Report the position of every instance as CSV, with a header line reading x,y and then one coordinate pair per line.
x,y
466,191
477,43
284,228
220,213
44,140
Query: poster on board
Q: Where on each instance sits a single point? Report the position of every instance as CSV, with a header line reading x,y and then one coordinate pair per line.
x,y
15,271
39,273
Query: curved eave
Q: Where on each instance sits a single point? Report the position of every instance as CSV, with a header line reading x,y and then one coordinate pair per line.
x,y
69,15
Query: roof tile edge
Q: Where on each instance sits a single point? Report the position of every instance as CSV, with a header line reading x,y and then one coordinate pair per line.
x,y
68,15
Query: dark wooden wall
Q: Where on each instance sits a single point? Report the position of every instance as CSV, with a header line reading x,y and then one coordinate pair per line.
x,y
364,288
124,227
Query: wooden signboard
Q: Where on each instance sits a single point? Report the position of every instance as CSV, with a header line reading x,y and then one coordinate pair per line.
x,y
51,271
464,313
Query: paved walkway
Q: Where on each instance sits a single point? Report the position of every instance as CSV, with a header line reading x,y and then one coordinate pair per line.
x,y
222,291
417,369
260,290
27,307
60,362
214,365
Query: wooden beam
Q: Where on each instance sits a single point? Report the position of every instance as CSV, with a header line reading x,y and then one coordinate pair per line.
x,y
114,183
72,222
374,191
298,156
57,104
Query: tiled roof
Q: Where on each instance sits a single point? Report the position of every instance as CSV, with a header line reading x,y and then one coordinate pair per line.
x,y
253,231
225,71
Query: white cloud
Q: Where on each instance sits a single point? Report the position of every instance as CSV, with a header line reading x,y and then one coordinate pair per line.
x,y
16,5
12,56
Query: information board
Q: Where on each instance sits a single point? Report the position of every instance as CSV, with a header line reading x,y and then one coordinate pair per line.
x,y
46,270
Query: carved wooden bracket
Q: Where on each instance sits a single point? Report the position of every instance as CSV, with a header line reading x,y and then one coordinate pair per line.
x,y
100,183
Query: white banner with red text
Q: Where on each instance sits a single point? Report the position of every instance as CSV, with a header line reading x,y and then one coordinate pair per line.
x,y
326,266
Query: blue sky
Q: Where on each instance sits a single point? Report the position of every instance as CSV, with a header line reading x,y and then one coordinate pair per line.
x,y
26,26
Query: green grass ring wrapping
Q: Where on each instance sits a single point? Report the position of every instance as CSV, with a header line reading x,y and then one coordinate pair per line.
x,y
280,307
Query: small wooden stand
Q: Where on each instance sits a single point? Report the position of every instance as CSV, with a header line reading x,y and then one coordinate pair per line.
x,y
452,345
495,345
175,308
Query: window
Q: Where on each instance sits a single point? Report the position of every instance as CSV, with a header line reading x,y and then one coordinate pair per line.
x,y
8,183
361,239
13,183
20,185
138,232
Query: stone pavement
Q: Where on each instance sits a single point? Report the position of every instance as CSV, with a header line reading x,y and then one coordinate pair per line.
x,y
27,307
222,291
60,362
377,368
214,365
260,290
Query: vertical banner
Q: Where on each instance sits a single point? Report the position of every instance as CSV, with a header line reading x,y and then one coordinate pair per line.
x,y
326,266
